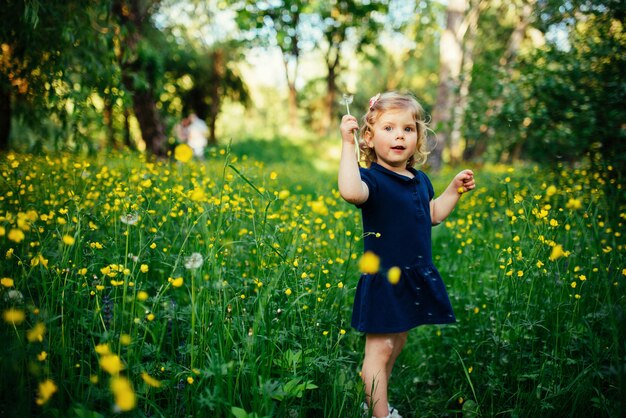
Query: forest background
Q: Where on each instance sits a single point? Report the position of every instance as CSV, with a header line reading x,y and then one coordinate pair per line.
x,y
526,79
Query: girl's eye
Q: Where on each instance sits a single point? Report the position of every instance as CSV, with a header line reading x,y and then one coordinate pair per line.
x,y
409,129
387,128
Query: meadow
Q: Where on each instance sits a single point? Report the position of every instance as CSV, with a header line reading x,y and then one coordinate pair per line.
x,y
223,288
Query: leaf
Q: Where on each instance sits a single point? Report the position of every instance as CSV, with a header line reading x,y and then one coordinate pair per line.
x,y
239,412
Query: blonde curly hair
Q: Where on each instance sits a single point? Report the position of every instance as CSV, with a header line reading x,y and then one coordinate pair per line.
x,y
384,102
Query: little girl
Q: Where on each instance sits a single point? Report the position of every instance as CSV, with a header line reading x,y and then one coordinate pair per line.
x,y
398,211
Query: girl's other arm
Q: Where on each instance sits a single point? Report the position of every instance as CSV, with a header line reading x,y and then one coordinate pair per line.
x,y
442,206
351,187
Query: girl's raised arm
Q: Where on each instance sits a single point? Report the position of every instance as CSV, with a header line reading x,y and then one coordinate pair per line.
x,y
442,206
351,187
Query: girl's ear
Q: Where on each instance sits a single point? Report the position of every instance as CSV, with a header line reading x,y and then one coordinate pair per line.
x,y
367,137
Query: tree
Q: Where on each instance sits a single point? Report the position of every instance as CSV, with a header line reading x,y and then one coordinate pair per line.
x,y
450,62
46,47
135,55
345,23
278,24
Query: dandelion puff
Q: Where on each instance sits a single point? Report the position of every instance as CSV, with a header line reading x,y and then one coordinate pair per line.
x,y
194,261
13,297
129,218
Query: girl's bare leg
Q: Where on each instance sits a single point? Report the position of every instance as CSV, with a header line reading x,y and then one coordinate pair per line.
x,y
381,352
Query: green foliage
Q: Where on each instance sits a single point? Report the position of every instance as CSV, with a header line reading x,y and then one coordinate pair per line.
x,y
261,327
561,102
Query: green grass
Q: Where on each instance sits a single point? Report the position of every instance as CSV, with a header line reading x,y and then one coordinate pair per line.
x,y
261,328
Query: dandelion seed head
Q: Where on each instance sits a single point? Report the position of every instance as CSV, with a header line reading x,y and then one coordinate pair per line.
x,y
194,261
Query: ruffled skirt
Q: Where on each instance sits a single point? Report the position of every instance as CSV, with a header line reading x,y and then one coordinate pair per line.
x,y
419,298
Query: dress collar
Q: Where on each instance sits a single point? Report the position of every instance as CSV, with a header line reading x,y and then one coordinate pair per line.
x,y
378,167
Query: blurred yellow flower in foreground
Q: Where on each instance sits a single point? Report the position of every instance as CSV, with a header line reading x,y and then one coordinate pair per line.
x,y
573,204
369,263
45,392
183,153
36,333
150,381
557,252
16,235
111,364
7,282
393,275
125,398
13,316
177,282
68,240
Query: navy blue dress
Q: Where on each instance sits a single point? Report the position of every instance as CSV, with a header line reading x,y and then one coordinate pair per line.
x,y
397,228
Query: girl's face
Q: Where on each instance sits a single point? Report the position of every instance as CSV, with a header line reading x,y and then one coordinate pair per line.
x,y
393,138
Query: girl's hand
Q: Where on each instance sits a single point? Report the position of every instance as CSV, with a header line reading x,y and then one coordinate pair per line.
x,y
348,126
464,181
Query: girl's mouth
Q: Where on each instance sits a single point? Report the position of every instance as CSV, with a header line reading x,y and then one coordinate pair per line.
x,y
399,147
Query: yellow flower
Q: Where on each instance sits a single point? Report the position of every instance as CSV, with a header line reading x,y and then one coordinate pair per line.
x,y
144,268
42,356
393,275
573,284
125,339
183,153
142,295
16,235
177,282
550,191
539,264
125,398
460,190
45,392
36,333
111,364
273,175
6,282
68,240
103,349
13,316
573,204
369,263
557,252
190,380
288,292
342,331
150,381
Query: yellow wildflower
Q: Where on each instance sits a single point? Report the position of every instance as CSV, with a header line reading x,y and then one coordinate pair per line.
x,y
13,316
111,364
36,333
150,381
16,235
393,275
369,263
177,282
125,398
7,282
47,388
68,240
183,153
557,252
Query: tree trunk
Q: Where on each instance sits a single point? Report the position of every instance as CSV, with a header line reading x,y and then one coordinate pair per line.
x,y
215,94
332,62
5,117
293,93
450,59
133,14
467,32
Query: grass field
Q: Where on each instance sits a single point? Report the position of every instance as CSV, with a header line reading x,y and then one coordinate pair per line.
x,y
224,288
